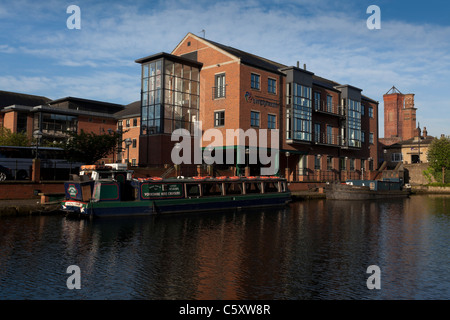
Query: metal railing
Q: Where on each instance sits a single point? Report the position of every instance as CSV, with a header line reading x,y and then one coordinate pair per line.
x,y
219,92
329,139
316,175
21,169
333,109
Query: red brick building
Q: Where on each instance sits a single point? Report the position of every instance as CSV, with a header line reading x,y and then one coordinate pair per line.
x,y
327,131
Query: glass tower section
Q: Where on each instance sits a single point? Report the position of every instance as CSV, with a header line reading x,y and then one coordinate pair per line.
x,y
170,96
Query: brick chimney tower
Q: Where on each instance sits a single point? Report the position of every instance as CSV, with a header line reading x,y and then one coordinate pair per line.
x,y
393,107
408,117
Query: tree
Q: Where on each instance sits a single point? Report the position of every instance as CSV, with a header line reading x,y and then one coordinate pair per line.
x,y
439,158
8,138
88,148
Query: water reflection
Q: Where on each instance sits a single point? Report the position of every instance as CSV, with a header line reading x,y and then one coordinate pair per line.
x,y
314,249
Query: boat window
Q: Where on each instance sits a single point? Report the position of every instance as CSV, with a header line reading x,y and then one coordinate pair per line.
x,y
212,189
233,188
253,187
271,187
192,190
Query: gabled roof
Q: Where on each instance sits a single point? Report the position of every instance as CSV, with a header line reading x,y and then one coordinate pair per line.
x,y
131,110
8,98
244,57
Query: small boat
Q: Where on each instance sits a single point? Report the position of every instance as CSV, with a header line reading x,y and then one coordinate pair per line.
x,y
366,190
101,192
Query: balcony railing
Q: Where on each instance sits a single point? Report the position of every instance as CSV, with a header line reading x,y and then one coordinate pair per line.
x,y
328,139
219,92
309,175
333,109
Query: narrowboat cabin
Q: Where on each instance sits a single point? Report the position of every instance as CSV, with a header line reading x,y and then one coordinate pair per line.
x,y
367,189
114,196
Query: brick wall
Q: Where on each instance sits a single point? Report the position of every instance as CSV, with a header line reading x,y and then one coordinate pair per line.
x,y
21,190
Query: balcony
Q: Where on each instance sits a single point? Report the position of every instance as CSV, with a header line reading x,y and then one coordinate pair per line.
x,y
328,139
330,109
219,92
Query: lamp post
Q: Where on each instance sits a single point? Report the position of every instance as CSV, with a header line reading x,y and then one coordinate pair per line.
x,y
37,134
128,142
36,166
287,164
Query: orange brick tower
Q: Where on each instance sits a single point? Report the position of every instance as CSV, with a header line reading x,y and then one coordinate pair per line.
x,y
399,114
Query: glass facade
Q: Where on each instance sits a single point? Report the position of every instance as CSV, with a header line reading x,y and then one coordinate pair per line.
x,y
354,123
299,113
170,97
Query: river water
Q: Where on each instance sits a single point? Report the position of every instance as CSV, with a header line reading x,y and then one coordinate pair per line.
x,y
315,249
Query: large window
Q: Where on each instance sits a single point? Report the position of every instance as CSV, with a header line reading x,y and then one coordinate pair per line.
x,y
354,123
170,96
316,101
57,124
255,81
329,103
219,89
299,124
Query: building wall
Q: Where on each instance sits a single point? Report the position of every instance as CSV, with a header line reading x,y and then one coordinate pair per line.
x,y
10,121
131,131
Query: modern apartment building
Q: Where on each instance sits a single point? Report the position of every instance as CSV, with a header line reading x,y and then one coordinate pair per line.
x,y
327,131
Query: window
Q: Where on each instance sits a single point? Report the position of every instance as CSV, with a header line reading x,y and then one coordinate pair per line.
x,y
133,162
317,132
363,137
219,89
219,118
371,138
254,119
329,103
329,134
316,101
329,163
272,86
127,123
396,157
134,143
271,121
298,112
352,164
362,109
343,163
317,162
255,81
135,122
354,123
371,112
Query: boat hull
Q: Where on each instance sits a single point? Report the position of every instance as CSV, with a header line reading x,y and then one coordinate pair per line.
x,y
349,192
167,206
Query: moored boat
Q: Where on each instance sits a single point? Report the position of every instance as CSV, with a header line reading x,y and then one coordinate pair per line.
x,y
366,190
113,192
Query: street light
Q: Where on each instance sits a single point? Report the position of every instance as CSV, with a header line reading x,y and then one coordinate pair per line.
x,y
37,134
128,142
287,163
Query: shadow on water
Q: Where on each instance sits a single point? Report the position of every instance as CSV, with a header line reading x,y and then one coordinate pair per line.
x,y
315,249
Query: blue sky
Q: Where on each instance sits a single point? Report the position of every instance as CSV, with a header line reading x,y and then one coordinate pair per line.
x,y
40,55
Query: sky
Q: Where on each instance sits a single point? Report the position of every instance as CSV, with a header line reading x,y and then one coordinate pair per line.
x,y
40,55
